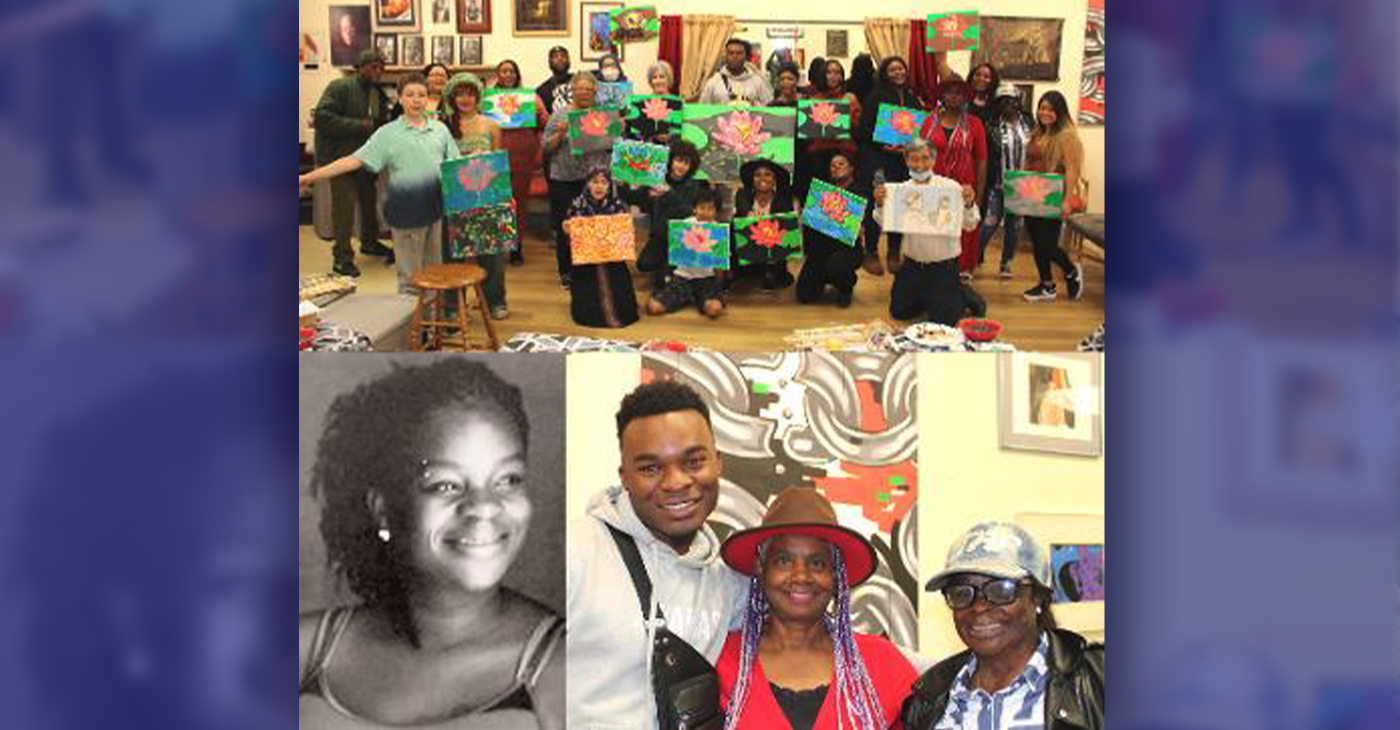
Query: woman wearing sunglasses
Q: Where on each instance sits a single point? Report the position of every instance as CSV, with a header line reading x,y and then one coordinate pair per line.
x,y
1020,670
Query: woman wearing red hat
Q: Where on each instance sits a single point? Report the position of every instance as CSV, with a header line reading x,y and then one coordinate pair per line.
x,y
797,663
960,144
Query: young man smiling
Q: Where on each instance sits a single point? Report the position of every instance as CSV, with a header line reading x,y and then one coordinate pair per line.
x,y
670,475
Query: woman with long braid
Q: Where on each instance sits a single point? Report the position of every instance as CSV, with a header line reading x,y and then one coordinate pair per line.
x,y
797,663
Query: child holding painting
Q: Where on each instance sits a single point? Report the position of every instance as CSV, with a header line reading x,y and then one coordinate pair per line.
x,y
601,295
701,287
674,202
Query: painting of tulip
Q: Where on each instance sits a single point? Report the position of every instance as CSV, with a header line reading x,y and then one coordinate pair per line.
x,y
649,115
629,25
482,231
475,181
593,130
926,209
834,212
896,125
1036,194
767,238
823,119
699,245
960,30
509,108
613,94
601,239
729,136
639,163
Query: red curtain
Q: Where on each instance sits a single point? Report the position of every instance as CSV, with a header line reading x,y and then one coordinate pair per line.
x,y
670,48
923,71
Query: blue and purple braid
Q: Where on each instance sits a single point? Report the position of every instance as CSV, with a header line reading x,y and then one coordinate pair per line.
x,y
857,702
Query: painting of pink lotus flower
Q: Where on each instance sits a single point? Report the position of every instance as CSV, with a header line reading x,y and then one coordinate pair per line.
x,y
699,245
1036,194
509,108
896,125
834,212
823,119
729,136
650,115
475,181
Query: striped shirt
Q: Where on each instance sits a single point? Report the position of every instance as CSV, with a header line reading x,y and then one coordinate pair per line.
x,y
1018,706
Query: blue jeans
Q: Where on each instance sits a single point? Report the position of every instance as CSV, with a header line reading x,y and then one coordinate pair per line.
x,y
995,217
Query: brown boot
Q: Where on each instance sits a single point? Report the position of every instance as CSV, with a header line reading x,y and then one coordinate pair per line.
x,y
872,265
894,260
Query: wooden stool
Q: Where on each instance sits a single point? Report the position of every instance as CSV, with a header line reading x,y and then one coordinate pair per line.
x,y
430,328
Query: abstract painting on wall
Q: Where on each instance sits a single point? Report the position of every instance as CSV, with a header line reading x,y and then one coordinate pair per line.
x,y
823,119
651,114
602,239
1091,78
699,245
475,181
960,30
897,125
926,209
729,136
765,239
593,130
629,25
1078,573
1036,194
482,231
834,212
639,164
509,108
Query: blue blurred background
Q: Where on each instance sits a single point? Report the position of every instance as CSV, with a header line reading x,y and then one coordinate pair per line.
x,y
147,474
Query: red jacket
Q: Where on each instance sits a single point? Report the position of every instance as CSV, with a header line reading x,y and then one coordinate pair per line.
x,y
889,671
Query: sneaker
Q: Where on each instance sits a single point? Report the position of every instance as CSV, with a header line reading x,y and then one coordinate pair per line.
x,y
346,268
565,280
1005,272
872,265
1039,293
516,259
500,312
375,248
1074,285
965,277
893,260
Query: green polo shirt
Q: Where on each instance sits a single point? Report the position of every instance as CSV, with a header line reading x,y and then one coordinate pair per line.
x,y
412,155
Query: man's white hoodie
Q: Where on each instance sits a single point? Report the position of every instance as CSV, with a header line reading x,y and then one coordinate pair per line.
x,y
609,645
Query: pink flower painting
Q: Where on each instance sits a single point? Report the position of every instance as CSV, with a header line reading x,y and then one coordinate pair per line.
x,y
509,104
834,207
902,121
741,133
698,240
656,110
1034,188
475,176
824,114
594,123
766,233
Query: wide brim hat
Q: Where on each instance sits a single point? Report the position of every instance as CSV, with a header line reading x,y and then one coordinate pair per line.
x,y
457,80
801,511
747,170
997,549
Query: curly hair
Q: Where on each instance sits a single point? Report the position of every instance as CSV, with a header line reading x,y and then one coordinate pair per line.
x,y
655,399
370,442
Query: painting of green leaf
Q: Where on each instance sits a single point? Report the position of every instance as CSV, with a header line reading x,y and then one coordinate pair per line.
x,y
475,181
593,130
482,231
960,30
729,136
764,239
897,125
833,212
639,163
612,94
630,25
1035,194
509,108
648,115
696,245
823,119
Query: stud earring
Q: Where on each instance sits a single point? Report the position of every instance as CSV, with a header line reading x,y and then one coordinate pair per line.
x,y
383,534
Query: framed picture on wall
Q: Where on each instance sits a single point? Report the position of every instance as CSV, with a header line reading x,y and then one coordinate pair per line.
x,y
594,40
397,15
836,44
1050,402
540,18
1027,94
1074,547
469,52
442,12
443,50
474,16
388,46
350,34
1022,49
411,50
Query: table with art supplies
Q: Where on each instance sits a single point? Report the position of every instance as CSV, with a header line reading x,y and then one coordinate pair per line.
x,y
550,342
878,335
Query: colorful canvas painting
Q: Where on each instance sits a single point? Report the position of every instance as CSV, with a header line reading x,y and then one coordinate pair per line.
x,y
834,212
764,239
729,136
629,25
482,231
613,94
897,125
592,130
1036,194
960,30
823,119
926,209
602,239
1091,77
475,181
639,163
1078,573
509,108
649,115
699,245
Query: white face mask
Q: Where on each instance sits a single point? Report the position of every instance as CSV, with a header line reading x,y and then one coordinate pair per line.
x,y
610,73
924,176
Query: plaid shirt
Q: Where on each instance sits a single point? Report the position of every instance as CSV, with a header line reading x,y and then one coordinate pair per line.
x,y
1018,706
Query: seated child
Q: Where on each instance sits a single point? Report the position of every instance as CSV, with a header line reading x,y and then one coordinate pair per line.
x,y
673,202
701,287
601,294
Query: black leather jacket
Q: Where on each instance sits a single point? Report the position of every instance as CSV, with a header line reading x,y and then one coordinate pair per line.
x,y
1073,698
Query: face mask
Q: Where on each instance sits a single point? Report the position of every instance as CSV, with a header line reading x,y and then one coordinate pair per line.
x,y
924,176
610,73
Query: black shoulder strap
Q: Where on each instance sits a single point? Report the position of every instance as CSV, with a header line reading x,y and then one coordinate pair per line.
x,y
632,557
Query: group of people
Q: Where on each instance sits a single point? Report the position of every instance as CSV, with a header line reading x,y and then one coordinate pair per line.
x,y
975,134
755,630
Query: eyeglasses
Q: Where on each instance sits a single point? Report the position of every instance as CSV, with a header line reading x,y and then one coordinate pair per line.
x,y
997,592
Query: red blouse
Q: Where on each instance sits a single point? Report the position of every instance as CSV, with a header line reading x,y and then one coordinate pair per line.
x,y
960,161
889,671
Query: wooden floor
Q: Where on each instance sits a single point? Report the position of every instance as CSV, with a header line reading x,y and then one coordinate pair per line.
x,y
757,320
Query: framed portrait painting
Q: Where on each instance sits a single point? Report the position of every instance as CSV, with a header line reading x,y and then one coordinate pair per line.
x,y
398,16
469,53
1051,402
350,34
594,38
540,18
1022,49
411,50
473,16
388,46
443,51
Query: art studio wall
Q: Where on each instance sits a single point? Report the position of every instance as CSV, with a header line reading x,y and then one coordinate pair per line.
x,y
754,20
